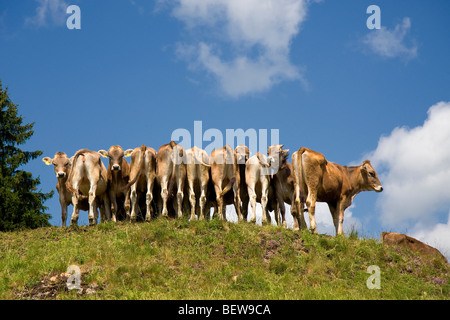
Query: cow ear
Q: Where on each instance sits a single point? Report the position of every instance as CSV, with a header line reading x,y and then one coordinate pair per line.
x,y
103,153
128,152
364,168
48,161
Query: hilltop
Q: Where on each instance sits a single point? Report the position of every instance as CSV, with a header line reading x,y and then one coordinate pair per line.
x,y
180,259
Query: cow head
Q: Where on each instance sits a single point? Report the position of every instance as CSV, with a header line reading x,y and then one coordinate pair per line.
x,y
277,156
243,153
370,177
61,164
115,155
277,153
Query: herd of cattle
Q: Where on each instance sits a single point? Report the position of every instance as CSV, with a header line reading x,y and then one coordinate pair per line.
x,y
176,181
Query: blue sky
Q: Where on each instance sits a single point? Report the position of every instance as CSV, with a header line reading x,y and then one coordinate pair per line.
x,y
138,70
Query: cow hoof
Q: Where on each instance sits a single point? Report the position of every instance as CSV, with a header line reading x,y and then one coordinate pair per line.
x,y
92,222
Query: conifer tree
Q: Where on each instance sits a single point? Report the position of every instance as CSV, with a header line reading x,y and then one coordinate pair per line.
x,y
21,204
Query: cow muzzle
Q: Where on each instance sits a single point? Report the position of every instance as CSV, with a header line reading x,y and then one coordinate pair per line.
x,y
378,188
60,174
115,167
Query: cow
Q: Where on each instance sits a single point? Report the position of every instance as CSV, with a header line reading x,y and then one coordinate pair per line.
x,y
257,176
198,172
88,177
283,182
142,178
118,175
62,167
225,176
405,241
323,181
170,171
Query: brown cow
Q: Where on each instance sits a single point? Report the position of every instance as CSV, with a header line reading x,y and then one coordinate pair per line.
x,y
142,178
225,176
118,177
198,172
88,177
62,166
320,180
405,241
171,170
283,182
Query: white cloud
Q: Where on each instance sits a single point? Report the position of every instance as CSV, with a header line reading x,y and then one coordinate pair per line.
x,y
391,43
414,168
255,34
49,10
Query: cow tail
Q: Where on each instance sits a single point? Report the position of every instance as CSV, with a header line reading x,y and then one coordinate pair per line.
x,y
140,170
228,186
177,153
70,177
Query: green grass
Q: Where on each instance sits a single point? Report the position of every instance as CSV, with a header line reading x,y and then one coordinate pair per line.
x,y
180,259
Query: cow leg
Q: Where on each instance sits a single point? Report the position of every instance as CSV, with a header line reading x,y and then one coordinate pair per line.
x,y
96,210
237,201
112,197
63,213
338,217
264,197
219,199
252,197
101,206
277,213
92,204
180,196
192,198
75,213
149,199
282,211
126,204
244,208
106,206
204,187
297,209
133,199
311,205
164,196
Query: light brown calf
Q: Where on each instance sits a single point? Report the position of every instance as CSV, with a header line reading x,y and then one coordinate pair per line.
x,y
257,176
62,167
142,178
405,241
171,170
198,172
88,177
225,176
118,175
323,181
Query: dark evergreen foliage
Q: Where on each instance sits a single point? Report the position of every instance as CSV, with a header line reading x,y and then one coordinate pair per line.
x,y
21,204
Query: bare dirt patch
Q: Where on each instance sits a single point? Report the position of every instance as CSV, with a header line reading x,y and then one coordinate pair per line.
x,y
53,284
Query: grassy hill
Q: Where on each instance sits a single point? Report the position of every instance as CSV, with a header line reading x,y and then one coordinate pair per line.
x,y
180,259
